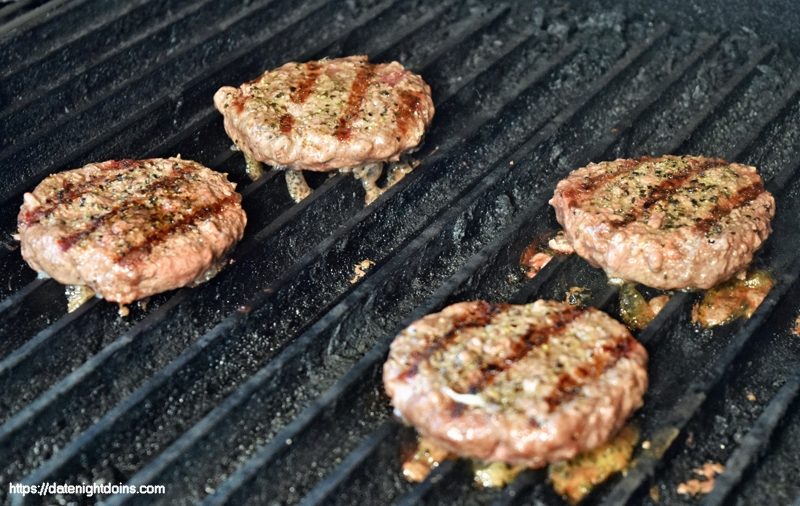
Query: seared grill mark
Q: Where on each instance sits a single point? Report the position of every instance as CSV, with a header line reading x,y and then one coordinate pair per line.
x,y
741,198
481,316
590,184
306,85
536,335
168,227
286,123
70,240
125,163
66,195
70,192
407,108
668,187
300,93
568,385
358,90
237,103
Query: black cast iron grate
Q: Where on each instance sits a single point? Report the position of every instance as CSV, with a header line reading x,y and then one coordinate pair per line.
x,y
263,385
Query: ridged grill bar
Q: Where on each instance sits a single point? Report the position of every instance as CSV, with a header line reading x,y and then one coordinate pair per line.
x,y
228,392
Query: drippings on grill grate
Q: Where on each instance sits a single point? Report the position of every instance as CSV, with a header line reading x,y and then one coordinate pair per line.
x,y
264,384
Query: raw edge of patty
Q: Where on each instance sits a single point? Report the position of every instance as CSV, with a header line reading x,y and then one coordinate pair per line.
x,y
536,430
684,257
383,114
76,226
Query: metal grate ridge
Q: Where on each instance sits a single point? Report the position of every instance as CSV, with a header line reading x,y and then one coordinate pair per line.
x,y
48,87
37,17
753,443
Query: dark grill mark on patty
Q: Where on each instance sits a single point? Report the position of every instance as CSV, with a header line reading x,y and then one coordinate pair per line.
x,y
237,103
70,192
358,90
168,227
667,187
300,94
536,335
569,385
672,184
407,107
483,314
741,198
286,123
70,240
306,85
590,184
67,194
457,409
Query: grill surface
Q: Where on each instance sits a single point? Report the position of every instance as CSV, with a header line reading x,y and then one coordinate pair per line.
x,y
263,385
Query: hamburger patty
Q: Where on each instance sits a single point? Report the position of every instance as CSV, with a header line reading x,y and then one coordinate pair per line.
x,y
670,222
344,113
128,229
328,114
525,384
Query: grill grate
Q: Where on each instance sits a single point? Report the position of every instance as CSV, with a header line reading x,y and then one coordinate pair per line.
x,y
264,384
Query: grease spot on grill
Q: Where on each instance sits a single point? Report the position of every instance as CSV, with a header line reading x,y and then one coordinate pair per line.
x,y
419,461
495,474
732,299
536,255
77,295
576,478
578,296
636,311
707,473
360,270
655,493
534,261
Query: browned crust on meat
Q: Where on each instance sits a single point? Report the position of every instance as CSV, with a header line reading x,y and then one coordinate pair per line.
x,y
72,190
670,222
525,384
352,108
328,114
128,229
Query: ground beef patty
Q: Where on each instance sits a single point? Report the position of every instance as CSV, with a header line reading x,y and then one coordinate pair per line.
x,y
131,228
526,384
669,222
328,114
